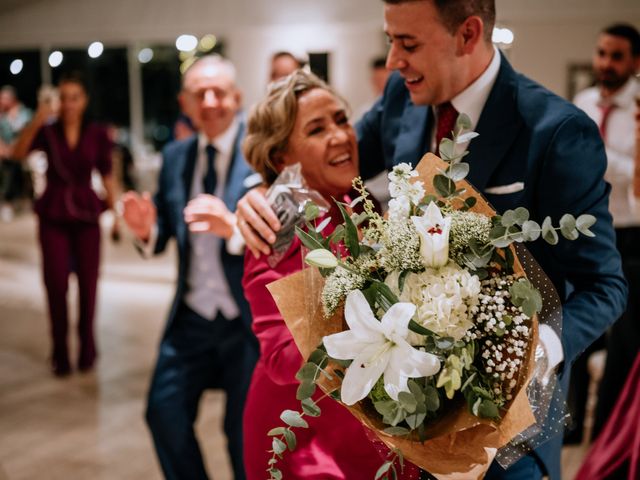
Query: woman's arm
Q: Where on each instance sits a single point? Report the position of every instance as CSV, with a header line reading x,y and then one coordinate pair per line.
x,y
23,145
278,351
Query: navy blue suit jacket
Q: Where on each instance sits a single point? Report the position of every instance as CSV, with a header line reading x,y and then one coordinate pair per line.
x,y
174,187
529,135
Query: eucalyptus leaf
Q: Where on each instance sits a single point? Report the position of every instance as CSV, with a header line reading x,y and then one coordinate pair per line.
x,y
509,218
568,227
415,419
446,149
522,215
278,446
470,202
311,408
498,237
584,222
276,431
290,440
307,372
443,185
466,137
407,401
463,122
530,231
317,357
432,399
548,232
458,172
275,474
305,390
293,419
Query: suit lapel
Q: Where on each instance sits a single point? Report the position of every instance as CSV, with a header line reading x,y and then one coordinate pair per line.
x,y
232,180
412,127
188,167
498,127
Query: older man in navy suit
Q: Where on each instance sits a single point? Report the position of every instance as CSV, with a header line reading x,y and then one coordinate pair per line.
x,y
208,341
534,150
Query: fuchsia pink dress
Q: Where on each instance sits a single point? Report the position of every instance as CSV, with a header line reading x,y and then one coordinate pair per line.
x,y
335,446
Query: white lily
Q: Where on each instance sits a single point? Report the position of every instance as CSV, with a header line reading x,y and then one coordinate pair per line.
x,y
433,229
378,348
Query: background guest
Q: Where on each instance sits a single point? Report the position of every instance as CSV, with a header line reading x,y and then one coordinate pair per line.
x,y
13,117
611,104
283,64
207,342
68,213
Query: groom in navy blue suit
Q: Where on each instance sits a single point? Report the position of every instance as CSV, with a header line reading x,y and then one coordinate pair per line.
x,y
208,341
534,150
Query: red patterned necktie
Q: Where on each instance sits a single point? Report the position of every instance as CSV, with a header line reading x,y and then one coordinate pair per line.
x,y
447,115
606,112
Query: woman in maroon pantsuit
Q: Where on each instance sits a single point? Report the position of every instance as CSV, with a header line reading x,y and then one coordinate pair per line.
x,y
68,213
302,120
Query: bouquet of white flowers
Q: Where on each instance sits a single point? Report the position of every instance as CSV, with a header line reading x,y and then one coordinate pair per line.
x,y
428,323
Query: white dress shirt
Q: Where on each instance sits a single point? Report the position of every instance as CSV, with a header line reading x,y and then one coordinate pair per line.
x,y
207,288
620,143
472,99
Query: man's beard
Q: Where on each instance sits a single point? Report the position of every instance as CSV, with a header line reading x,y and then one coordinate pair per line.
x,y
610,79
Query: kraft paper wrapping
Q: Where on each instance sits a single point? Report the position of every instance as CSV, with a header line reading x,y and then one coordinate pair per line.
x,y
461,446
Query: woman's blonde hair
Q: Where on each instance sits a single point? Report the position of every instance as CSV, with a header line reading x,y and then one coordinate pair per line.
x,y
271,121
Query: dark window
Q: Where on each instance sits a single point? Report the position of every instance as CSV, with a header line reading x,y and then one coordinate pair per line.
x,y
107,80
28,80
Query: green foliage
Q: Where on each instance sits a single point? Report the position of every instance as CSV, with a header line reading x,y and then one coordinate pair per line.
x,y
351,239
526,296
293,419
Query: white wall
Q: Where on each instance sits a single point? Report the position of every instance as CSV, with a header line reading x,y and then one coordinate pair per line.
x,y
549,34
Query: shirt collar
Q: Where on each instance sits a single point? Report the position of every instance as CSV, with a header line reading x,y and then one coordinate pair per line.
x,y
224,142
623,97
472,99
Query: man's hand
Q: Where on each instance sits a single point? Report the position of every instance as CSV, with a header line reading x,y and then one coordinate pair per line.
x,y
139,213
257,221
209,214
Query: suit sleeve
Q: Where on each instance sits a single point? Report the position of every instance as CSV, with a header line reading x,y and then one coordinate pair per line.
x,y
572,181
369,132
165,230
278,351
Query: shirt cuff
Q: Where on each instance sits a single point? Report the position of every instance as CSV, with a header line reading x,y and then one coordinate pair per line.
x,y
552,346
147,248
235,245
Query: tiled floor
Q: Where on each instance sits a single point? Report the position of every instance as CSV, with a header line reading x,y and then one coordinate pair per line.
x,y
91,426
86,426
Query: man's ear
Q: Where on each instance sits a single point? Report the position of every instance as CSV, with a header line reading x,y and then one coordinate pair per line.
x,y
470,34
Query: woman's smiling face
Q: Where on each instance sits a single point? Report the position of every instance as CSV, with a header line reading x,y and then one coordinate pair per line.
x,y
324,142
